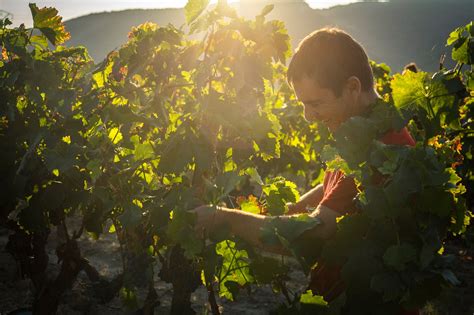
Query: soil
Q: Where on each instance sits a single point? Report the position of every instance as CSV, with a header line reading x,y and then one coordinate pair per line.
x,y
104,255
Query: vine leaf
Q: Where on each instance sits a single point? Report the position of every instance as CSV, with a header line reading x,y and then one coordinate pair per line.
x,y
49,23
235,270
279,192
309,298
388,284
398,256
254,175
194,8
267,9
249,204
409,89
462,40
131,217
279,231
180,231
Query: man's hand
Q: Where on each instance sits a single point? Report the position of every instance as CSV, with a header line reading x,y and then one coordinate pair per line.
x,y
308,200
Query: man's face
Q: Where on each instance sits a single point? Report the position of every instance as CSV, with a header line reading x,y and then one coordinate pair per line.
x,y
321,104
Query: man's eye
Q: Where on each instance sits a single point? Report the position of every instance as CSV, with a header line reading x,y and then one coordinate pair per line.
x,y
314,105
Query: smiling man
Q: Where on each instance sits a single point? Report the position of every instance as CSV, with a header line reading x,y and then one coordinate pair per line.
x,y
331,75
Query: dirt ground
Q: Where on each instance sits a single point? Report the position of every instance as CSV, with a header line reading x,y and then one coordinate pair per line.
x,y
458,300
104,255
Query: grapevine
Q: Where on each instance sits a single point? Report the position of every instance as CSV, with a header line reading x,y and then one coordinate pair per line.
x,y
166,123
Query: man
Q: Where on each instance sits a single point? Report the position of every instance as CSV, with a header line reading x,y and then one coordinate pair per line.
x,y
331,75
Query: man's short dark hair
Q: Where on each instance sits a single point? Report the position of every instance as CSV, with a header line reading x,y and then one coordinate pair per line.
x,y
330,56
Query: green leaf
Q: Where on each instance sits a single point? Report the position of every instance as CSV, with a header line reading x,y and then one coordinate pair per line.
x,y
267,9
354,138
431,246
386,158
115,135
278,193
406,181
254,175
232,288
267,269
462,53
176,155
309,298
409,90
62,158
194,8
40,41
362,264
289,228
143,151
436,200
352,230
250,204
234,269
202,151
33,218
226,182
180,230
377,205
398,256
49,23
94,167
389,284
129,298
53,196
454,36
131,216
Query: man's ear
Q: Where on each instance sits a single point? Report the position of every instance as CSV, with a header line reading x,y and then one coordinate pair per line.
x,y
353,87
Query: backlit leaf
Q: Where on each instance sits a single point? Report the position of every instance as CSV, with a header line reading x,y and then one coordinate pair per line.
x,y
194,8
49,23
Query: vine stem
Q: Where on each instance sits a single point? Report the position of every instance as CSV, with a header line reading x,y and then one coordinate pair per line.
x,y
284,291
118,232
64,226
212,299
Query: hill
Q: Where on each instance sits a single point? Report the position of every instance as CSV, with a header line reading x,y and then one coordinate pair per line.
x,y
395,32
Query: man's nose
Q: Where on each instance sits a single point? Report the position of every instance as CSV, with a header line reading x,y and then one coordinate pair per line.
x,y
315,115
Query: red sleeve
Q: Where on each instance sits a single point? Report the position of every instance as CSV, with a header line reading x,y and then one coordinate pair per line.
x,y
339,192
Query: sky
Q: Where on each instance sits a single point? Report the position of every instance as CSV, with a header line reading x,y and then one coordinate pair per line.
x,y
74,8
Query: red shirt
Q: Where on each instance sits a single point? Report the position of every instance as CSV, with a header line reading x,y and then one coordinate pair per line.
x,y
339,193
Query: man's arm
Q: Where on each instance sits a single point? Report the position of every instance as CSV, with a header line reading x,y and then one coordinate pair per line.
x,y
309,199
248,225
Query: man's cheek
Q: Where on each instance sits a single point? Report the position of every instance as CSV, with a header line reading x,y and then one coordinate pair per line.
x,y
309,113
306,114
309,116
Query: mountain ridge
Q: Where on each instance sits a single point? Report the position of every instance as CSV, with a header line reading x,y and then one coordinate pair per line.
x,y
396,32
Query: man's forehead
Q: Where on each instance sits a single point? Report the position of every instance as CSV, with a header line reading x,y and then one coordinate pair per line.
x,y
310,91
